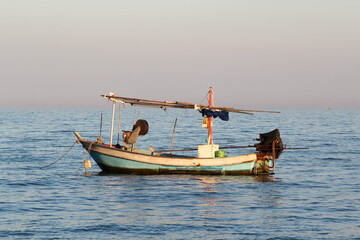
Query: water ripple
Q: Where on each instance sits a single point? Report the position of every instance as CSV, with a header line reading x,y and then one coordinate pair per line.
x,y
313,195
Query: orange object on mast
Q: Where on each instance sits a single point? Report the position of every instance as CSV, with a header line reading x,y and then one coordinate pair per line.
x,y
210,139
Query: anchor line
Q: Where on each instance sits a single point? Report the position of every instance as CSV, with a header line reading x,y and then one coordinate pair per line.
x,y
77,141
80,167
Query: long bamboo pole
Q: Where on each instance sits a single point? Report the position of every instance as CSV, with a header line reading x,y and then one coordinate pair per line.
x,y
232,147
195,149
176,104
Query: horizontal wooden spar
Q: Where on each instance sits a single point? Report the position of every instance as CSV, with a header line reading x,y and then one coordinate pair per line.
x,y
176,104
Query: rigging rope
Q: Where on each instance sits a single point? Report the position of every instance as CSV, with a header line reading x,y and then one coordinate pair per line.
x,y
206,96
77,141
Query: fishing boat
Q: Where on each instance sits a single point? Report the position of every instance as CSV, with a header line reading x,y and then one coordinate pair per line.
x,y
210,158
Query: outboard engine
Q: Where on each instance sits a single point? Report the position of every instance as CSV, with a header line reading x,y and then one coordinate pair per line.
x,y
270,142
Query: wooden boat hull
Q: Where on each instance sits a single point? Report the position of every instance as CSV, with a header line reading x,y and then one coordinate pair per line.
x,y
139,161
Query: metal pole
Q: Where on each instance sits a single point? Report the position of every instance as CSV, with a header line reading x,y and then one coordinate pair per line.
x,y
112,123
119,123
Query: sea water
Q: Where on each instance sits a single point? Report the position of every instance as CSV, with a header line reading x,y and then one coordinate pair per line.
x,y
314,194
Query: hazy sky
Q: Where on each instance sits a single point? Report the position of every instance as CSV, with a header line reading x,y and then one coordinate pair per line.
x,y
255,53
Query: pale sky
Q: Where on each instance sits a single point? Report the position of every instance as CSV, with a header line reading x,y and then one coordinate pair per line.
x,y
255,53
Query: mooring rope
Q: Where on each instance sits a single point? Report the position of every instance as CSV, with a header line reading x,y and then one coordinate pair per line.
x,y
80,167
77,141
88,152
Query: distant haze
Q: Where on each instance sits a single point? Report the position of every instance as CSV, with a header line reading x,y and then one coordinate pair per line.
x,y
255,53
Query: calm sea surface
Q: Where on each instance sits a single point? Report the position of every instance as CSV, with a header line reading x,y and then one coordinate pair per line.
x,y
314,194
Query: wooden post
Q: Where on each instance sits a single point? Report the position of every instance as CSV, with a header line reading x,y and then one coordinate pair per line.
x,y
273,153
119,123
210,139
101,123
112,123
172,139
99,139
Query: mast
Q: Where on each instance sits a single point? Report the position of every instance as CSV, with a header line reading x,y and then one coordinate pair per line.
x,y
210,139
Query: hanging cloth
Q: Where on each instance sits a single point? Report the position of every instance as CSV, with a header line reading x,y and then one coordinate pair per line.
x,y
223,115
